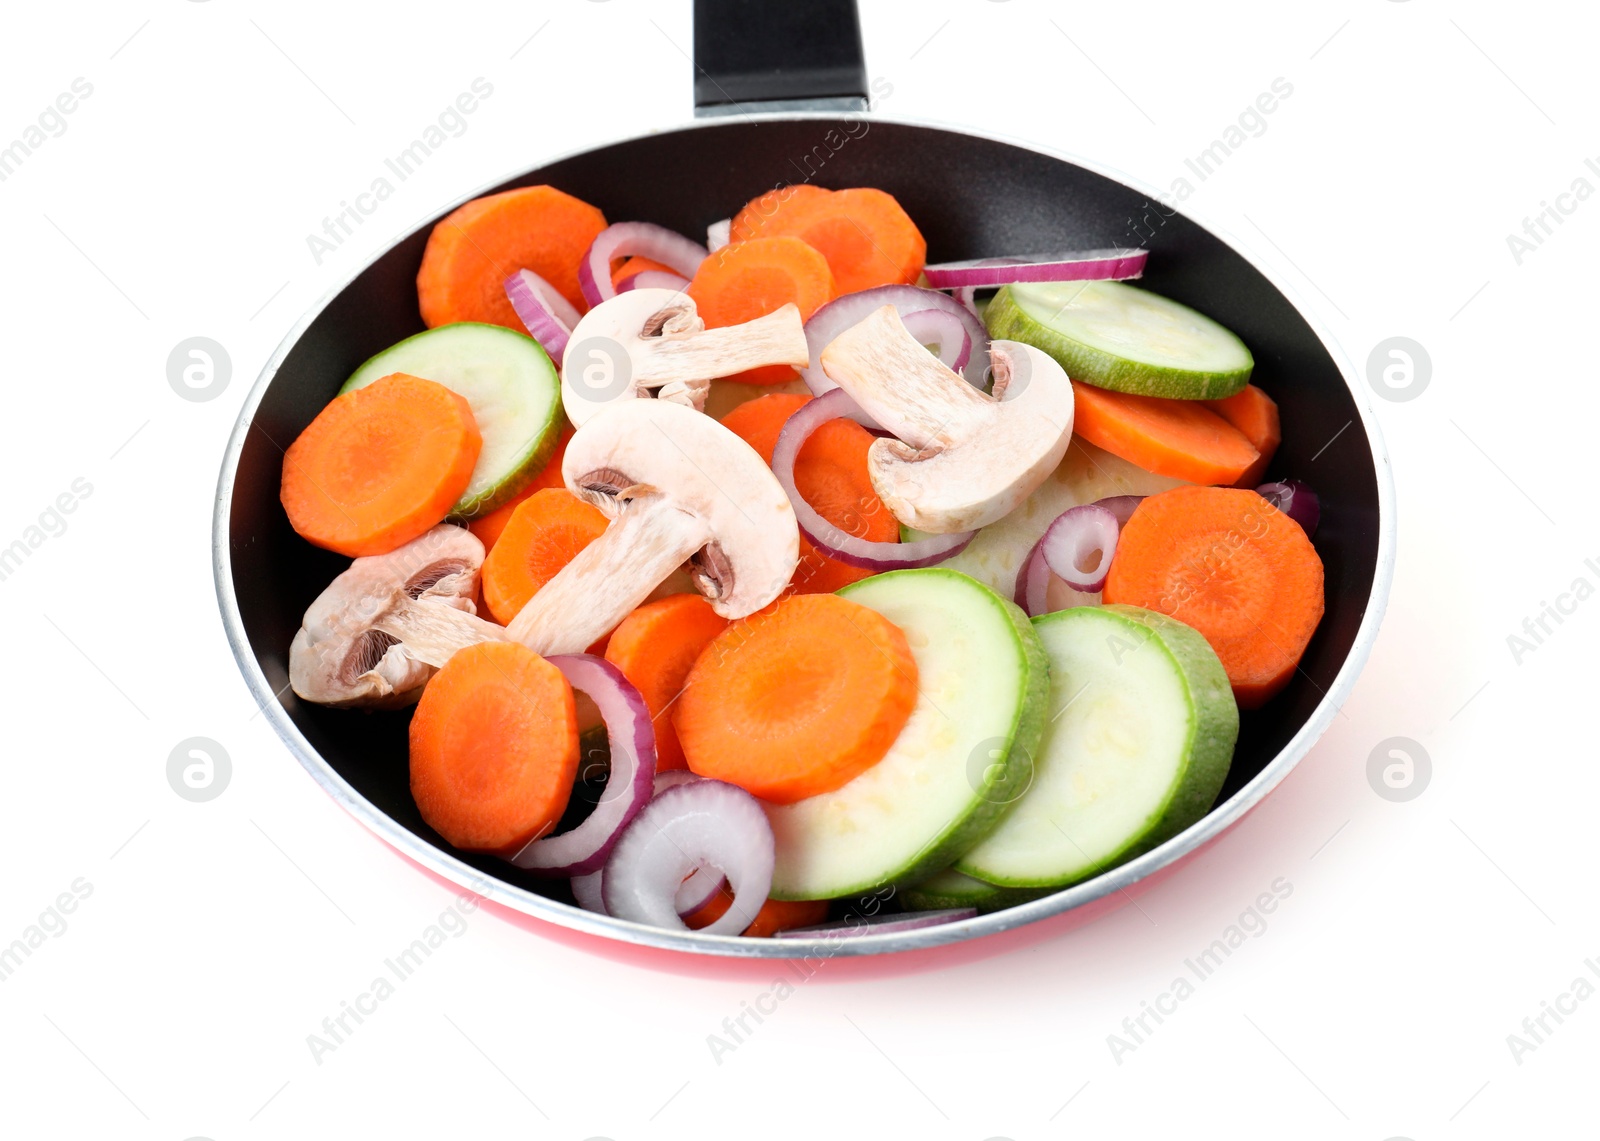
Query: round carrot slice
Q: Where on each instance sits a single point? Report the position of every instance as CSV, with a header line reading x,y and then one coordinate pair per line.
x,y
867,237
746,280
751,222
1234,567
655,647
494,748
473,250
380,465
1180,439
798,699
545,533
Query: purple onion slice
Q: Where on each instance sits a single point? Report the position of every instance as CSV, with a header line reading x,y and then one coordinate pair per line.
x,y
718,234
634,239
632,740
1078,535
1074,535
698,822
548,316
943,328
1074,265
879,924
843,312
835,542
1296,500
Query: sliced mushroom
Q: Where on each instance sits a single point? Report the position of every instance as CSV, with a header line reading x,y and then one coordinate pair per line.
x,y
652,342
963,458
382,628
679,487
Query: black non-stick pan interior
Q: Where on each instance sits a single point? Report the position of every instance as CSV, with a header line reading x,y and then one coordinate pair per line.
x,y
972,197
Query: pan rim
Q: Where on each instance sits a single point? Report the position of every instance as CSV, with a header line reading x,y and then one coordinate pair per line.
x,y
1120,879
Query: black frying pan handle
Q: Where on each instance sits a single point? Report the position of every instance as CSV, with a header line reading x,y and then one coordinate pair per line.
x,y
797,55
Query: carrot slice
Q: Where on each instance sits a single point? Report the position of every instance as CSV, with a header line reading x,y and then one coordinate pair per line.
x,y
472,251
655,647
1255,414
775,915
1230,564
798,699
751,221
494,748
380,465
489,527
1181,439
831,474
866,236
546,532
636,265
746,280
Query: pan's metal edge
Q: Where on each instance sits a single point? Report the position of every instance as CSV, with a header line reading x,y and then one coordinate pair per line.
x,y
1120,879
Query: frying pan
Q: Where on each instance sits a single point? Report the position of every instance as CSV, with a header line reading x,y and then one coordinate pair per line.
x,y
762,125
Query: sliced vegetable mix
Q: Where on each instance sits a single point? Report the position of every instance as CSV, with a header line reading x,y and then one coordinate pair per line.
x,y
946,613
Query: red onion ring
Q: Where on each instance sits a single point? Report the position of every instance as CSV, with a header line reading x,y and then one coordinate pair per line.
x,y
1073,533
843,312
702,885
856,926
1075,265
719,234
632,739
548,316
694,823
835,542
1077,533
654,279
943,328
634,239
1296,500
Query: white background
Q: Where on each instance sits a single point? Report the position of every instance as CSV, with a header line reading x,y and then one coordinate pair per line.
x,y
219,935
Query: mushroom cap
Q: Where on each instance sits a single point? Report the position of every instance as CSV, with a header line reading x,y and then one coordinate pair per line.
x,y
603,363
339,658
654,454
963,458
985,473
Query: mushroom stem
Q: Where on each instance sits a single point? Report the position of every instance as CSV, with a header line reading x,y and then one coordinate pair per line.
x,y
432,631
777,338
901,385
648,539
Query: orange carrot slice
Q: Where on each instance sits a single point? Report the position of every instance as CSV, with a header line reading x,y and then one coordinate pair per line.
x,y
1182,439
867,237
831,474
472,251
546,532
494,748
751,221
655,647
380,465
1255,414
1234,567
489,527
798,699
746,280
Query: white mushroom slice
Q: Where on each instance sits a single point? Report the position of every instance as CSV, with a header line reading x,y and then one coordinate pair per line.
x,y
962,458
384,626
652,342
679,487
